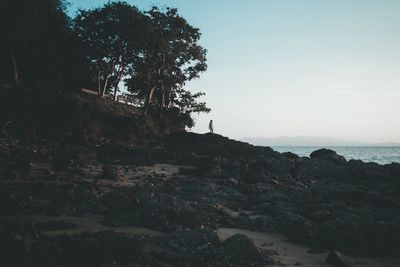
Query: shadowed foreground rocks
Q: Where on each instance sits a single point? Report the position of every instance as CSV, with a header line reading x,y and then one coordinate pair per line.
x,y
338,259
94,204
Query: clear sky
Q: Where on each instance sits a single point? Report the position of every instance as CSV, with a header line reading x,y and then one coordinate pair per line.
x,y
296,67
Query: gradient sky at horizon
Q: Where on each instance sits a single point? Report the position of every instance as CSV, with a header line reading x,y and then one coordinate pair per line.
x,y
287,67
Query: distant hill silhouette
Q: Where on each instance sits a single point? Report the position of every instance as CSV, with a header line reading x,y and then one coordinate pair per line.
x,y
308,141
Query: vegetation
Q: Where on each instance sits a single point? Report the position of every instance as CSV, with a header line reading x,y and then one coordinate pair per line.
x,y
172,58
147,55
35,42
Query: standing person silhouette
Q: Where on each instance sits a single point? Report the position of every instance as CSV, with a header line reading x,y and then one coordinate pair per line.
x,y
211,126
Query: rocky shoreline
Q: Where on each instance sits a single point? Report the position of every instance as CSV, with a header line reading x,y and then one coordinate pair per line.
x,y
159,202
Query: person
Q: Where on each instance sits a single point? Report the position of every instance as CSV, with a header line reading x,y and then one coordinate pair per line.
x,y
211,126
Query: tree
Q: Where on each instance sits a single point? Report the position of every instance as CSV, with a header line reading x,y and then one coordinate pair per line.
x,y
171,58
154,53
187,104
32,34
113,36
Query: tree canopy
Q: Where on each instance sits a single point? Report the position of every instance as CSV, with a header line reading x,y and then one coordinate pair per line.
x,y
149,55
172,58
114,38
34,38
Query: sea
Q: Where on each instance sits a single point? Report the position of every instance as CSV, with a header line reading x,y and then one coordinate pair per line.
x,y
381,155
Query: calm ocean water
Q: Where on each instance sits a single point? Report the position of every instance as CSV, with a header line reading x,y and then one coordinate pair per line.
x,y
381,155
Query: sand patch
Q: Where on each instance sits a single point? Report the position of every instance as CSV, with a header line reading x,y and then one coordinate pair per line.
x,y
293,254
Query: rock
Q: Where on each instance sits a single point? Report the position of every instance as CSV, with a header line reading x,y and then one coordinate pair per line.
x,y
328,155
352,207
336,258
355,162
233,181
241,250
290,155
109,172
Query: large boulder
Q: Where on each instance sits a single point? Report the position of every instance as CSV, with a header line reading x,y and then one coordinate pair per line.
x,y
328,155
241,250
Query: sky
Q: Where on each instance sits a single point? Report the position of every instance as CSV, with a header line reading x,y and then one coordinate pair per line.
x,y
296,67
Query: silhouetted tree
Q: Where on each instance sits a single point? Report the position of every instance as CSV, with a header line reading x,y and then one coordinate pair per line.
x,y
154,53
113,36
188,103
172,57
34,35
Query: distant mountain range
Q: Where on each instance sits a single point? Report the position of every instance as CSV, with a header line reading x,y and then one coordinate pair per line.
x,y
308,141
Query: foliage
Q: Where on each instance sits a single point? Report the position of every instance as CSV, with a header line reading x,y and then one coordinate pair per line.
x,y
113,39
187,104
171,58
153,53
35,41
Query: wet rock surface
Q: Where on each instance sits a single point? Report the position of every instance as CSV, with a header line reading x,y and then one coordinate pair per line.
x,y
185,186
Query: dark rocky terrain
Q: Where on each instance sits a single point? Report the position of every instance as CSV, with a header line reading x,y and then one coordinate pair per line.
x,y
86,182
158,202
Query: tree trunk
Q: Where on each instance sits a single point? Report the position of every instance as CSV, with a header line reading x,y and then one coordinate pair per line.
x,y
116,88
110,72
167,100
117,82
15,67
149,98
169,97
105,86
115,92
162,100
98,84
